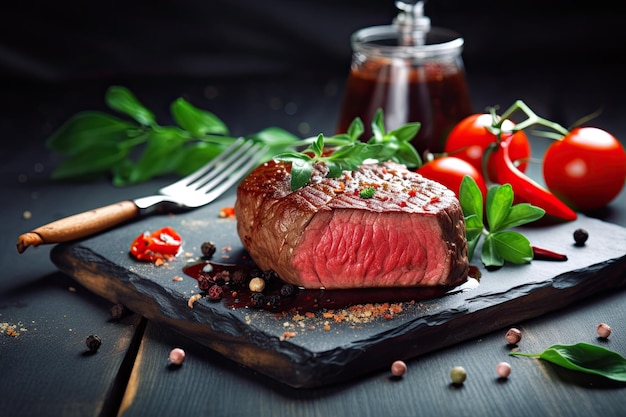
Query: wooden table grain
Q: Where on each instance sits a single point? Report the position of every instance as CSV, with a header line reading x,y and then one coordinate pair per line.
x,y
46,369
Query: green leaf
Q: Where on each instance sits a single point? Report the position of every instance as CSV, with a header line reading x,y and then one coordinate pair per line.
x,y
198,122
512,246
499,202
406,132
407,155
96,159
378,125
471,199
301,172
317,147
489,255
276,137
87,129
195,155
356,129
521,214
584,357
473,231
159,157
122,100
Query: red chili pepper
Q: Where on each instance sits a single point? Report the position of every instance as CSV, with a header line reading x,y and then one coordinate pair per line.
x,y
524,187
542,254
162,244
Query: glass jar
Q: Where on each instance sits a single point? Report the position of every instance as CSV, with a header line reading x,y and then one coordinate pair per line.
x,y
413,72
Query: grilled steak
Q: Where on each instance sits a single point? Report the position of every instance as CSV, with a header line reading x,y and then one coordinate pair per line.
x,y
330,234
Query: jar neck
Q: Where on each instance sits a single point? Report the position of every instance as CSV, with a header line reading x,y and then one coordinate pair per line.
x,y
385,42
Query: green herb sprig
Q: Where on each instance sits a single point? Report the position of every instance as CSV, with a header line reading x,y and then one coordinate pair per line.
x,y
348,152
500,244
584,357
132,151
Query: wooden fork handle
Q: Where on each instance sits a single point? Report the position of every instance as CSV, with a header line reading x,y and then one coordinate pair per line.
x,y
79,225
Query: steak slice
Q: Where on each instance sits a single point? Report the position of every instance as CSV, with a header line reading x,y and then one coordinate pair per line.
x,y
410,233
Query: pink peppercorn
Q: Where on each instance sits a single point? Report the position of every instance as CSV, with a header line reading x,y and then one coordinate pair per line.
x,y
398,368
503,369
177,356
513,336
604,330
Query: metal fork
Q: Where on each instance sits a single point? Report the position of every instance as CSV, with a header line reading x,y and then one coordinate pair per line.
x,y
193,191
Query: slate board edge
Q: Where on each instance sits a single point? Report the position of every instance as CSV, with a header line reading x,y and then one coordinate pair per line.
x,y
294,366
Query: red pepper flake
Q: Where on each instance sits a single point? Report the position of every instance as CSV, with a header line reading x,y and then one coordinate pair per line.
x,y
227,212
412,193
402,203
434,199
159,246
340,188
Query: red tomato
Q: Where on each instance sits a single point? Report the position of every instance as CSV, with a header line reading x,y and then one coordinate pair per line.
x,y
450,171
469,139
586,169
162,244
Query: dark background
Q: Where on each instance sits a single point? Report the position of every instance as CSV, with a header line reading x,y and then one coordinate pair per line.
x,y
69,40
58,58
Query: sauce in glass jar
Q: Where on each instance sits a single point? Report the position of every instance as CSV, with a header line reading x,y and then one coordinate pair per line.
x,y
414,73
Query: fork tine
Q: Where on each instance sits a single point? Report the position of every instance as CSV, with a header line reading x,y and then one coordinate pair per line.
x,y
214,191
185,181
240,166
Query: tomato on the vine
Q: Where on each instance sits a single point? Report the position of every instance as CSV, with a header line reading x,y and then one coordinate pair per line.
x,y
470,137
586,168
449,171
161,245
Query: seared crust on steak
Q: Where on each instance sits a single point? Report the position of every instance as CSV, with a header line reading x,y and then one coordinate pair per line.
x,y
410,233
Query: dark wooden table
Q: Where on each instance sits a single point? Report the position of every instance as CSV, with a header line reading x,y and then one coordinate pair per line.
x,y
46,370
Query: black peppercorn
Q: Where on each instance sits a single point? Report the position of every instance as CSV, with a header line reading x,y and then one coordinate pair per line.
x,y
118,311
580,237
258,299
238,279
208,249
205,282
93,342
287,290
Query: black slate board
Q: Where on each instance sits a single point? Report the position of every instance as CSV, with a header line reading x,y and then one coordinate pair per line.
x,y
316,356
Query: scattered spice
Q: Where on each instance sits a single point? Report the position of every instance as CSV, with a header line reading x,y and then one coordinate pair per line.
x,y
177,356
193,299
604,330
227,212
458,375
257,284
398,368
208,249
118,311
513,336
503,369
580,237
367,192
93,343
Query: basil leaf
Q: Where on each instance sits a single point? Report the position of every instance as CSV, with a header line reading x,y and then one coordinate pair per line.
x,y
88,129
499,202
584,357
471,198
473,231
521,214
122,100
276,137
406,132
407,155
196,155
96,159
512,246
489,255
159,156
196,121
